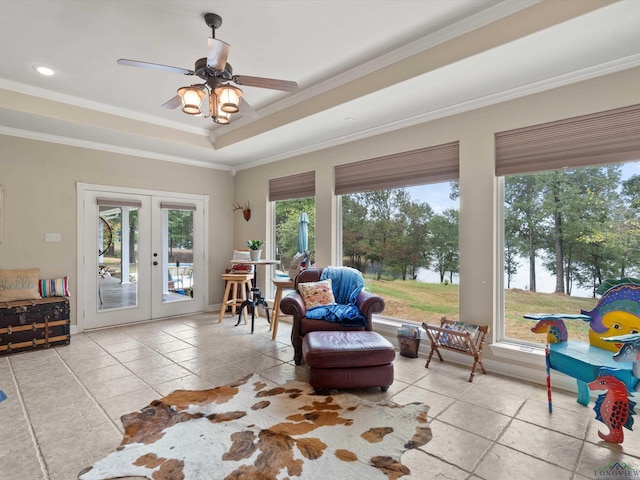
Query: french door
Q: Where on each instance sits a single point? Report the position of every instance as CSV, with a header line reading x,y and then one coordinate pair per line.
x,y
143,256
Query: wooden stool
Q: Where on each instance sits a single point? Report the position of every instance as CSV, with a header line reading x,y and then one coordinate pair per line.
x,y
235,282
281,283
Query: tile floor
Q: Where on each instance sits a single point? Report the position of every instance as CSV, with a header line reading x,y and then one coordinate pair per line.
x,y
64,404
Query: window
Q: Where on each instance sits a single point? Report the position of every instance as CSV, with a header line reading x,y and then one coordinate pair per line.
x,y
295,222
571,215
405,241
396,230
294,217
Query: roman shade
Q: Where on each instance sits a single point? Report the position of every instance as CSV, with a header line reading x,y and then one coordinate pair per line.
x,y
416,167
177,206
300,185
611,136
114,202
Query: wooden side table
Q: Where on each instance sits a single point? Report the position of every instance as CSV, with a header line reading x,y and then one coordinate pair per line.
x,y
281,283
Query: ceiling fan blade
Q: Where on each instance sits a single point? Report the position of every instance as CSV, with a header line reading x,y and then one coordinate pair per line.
x,y
217,53
154,66
247,110
175,102
272,83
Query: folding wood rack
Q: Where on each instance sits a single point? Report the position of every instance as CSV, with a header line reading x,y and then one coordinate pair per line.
x,y
457,341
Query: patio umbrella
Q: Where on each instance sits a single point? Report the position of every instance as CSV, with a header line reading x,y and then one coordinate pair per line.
x,y
303,233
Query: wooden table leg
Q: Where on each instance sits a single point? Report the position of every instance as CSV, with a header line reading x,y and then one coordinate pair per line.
x,y
276,313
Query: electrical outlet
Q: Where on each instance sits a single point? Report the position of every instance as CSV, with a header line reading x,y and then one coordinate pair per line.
x,y
53,237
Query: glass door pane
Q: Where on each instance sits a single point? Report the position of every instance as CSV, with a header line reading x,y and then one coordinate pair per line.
x,y
178,256
177,232
117,257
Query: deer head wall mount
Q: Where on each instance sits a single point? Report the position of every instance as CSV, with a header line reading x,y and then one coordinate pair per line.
x,y
246,209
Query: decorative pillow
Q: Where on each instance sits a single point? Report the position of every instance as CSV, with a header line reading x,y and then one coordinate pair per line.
x,y
19,285
315,294
240,267
241,255
56,287
298,264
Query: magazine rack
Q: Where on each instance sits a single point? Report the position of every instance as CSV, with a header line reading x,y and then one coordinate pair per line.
x,y
457,337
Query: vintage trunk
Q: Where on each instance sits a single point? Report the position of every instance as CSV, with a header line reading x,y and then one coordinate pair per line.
x,y
34,324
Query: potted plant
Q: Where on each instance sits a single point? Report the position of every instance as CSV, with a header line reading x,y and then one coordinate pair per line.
x,y
256,248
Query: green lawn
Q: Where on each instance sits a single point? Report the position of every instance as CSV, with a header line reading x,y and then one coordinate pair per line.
x,y
429,302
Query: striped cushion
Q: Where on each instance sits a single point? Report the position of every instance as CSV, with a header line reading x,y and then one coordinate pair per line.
x,y
56,287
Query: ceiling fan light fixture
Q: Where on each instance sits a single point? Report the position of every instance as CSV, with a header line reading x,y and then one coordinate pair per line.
x,y
216,112
191,99
228,98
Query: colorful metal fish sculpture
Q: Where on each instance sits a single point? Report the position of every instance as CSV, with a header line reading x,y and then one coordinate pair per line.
x,y
630,349
617,312
613,408
555,328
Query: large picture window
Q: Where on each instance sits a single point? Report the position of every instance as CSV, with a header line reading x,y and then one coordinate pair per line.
x,y
405,241
400,229
294,217
571,215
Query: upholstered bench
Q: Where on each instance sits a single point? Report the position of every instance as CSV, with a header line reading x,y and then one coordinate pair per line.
x,y
357,359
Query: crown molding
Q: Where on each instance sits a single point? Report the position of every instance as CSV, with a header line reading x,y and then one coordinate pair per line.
x,y
38,92
106,147
603,69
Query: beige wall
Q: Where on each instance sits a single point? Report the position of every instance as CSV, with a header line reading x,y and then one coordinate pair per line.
x,y
479,260
39,180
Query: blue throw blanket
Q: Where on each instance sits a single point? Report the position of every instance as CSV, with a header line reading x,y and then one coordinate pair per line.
x,y
347,283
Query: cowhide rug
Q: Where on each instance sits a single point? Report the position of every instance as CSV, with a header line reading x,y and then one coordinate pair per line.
x,y
256,429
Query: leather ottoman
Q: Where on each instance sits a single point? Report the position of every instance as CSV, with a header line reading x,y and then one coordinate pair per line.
x,y
357,359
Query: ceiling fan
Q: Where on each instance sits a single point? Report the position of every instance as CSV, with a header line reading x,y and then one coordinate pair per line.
x,y
224,98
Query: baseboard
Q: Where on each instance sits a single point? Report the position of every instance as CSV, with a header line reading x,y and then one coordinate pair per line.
x,y
532,374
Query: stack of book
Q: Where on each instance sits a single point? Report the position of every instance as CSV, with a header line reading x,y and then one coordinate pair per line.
x,y
411,331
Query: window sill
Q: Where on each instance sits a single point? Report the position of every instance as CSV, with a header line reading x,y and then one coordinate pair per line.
x,y
522,353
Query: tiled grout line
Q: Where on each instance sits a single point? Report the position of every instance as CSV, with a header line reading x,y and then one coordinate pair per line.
x,y
87,392
496,442
32,433
580,453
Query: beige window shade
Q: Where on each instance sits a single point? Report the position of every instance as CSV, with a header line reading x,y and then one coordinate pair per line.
x,y
606,137
417,167
177,206
114,202
301,185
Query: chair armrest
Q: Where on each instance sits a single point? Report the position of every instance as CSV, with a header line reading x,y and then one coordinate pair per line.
x,y
293,305
368,304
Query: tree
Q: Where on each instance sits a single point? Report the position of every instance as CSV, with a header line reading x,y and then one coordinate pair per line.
x,y
581,203
443,237
410,249
383,208
512,248
527,220
354,231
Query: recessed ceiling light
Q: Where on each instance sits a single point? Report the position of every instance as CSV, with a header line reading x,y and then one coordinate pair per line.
x,y
42,70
